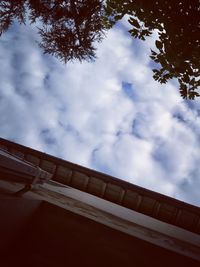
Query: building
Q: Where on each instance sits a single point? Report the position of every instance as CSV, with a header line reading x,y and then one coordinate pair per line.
x,y
56,213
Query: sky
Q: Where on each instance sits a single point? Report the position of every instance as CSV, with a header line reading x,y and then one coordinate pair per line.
x,y
108,115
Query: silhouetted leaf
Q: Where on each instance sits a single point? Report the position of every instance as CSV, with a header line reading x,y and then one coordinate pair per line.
x,y
159,45
184,92
193,94
118,17
186,78
134,22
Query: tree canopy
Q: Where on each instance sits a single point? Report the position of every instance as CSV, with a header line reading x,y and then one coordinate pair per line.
x,y
178,45
69,29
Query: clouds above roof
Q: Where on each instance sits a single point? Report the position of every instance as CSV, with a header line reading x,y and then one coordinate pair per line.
x,y
109,115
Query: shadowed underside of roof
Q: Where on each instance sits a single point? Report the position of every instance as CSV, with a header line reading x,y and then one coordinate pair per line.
x,y
150,203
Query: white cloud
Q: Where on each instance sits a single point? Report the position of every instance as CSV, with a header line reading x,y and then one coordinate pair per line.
x,y
80,112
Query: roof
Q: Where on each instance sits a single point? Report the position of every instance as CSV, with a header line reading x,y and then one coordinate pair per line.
x,y
133,197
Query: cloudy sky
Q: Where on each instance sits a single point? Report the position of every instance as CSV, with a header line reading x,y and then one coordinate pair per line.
x,y
109,115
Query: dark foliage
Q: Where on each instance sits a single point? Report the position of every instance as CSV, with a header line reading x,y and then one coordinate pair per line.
x,y
178,23
68,28
10,10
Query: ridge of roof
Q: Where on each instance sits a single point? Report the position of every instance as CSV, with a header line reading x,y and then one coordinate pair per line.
x,y
113,189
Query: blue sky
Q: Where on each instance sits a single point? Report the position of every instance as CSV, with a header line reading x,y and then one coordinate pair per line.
x,y
109,115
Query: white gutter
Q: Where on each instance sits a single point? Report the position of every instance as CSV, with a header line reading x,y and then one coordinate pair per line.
x,y
33,174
